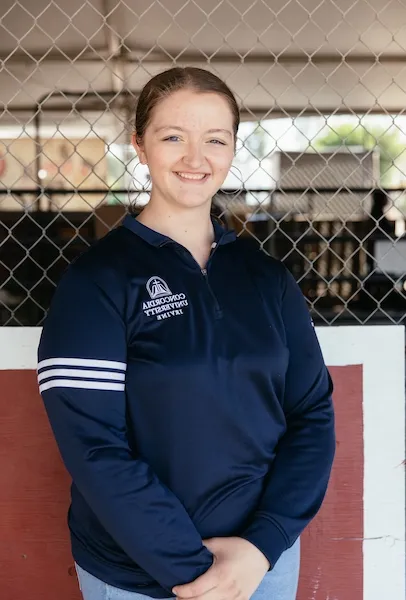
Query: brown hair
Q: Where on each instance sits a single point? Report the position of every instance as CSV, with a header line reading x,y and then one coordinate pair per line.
x,y
180,78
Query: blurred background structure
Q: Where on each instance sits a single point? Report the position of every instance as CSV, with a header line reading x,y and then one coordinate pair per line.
x,y
320,172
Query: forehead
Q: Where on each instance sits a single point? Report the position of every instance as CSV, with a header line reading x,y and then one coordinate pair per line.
x,y
194,108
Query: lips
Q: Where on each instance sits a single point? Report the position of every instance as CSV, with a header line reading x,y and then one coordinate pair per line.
x,y
192,177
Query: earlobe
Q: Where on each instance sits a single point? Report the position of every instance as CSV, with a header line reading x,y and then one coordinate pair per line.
x,y
137,147
141,156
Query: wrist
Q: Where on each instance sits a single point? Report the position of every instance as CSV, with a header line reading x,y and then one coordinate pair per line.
x,y
259,555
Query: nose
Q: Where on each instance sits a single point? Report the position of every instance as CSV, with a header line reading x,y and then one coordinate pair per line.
x,y
193,157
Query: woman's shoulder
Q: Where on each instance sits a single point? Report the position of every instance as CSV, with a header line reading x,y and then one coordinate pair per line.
x,y
258,260
105,262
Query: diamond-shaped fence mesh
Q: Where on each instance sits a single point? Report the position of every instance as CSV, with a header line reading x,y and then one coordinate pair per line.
x,y
320,168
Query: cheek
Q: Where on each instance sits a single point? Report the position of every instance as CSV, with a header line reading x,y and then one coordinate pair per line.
x,y
159,165
221,160
160,155
223,165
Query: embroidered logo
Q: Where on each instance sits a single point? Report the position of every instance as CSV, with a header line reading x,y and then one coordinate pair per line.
x,y
157,288
163,304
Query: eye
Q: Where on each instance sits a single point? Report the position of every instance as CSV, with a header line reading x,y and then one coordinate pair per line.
x,y
218,142
171,138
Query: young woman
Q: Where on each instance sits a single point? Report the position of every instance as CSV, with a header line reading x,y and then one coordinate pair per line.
x,y
184,382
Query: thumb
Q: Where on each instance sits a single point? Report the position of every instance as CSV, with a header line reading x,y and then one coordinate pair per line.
x,y
203,584
211,544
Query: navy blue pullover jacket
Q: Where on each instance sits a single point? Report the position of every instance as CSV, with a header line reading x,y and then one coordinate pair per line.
x,y
186,404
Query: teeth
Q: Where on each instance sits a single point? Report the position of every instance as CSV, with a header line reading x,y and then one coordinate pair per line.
x,y
192,175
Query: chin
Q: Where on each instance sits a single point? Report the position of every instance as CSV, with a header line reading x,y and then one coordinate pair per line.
x,y
191,201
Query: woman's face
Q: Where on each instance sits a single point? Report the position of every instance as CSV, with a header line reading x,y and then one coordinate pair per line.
x,y
189,147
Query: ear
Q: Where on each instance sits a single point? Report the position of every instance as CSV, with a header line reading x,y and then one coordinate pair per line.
x,y
138,147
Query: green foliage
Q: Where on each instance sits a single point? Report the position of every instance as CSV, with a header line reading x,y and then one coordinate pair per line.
x,y
368,137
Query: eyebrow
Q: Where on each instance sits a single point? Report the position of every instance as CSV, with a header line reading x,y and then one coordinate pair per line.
x,y
180,129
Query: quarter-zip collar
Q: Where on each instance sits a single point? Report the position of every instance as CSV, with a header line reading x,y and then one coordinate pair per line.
x,y
222,235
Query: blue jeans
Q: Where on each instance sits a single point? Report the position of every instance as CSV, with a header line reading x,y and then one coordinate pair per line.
x,y
278,584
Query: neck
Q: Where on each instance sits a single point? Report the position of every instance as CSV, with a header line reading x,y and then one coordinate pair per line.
x,y
192,228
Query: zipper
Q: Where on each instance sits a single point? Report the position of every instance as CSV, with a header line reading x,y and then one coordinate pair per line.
x,y
218,313
217,310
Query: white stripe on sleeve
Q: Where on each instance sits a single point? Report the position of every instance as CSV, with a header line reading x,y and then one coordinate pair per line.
x,y
77,383
82,362
81,373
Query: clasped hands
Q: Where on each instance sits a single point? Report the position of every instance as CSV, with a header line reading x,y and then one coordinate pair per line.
x,y
237,570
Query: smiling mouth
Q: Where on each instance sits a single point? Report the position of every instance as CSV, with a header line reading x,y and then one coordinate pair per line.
x,y
193,177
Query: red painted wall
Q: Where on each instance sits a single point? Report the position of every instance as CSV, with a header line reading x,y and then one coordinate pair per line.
x,y
34,499
332,559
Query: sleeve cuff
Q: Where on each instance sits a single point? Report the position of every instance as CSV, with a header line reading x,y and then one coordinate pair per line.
x,y
267,537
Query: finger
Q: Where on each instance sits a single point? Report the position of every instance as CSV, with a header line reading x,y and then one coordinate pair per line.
x,y
214,545
223,591
203,584
215,594
210,544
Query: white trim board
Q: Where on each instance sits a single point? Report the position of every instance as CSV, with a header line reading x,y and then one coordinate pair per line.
x,y
18,347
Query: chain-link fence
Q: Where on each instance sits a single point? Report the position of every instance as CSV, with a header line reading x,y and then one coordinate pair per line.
x,y
320,166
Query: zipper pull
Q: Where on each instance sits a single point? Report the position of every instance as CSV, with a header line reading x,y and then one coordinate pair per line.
x,y
204,271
